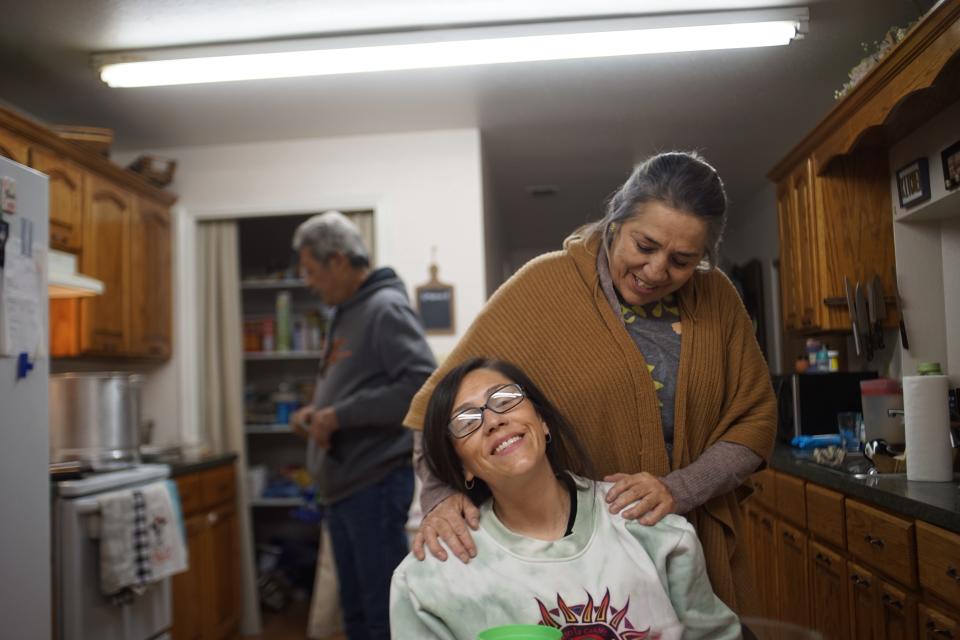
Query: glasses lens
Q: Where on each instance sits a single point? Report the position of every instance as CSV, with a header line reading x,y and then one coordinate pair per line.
x,y
505,398
465,422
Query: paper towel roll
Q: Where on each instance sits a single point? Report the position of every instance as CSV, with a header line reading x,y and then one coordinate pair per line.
x,y
927,418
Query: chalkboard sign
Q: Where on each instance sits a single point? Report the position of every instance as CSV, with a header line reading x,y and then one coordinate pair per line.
x,y
435,306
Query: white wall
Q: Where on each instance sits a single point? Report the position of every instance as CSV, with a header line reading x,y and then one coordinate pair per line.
x,y
927,243
426,189
753,233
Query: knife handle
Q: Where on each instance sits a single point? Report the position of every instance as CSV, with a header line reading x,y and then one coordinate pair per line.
x,y
903,333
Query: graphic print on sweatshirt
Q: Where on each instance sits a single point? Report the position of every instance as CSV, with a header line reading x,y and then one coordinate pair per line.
x,y
593,622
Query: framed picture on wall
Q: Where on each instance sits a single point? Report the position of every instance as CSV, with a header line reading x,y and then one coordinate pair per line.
x,y
435,304
913,183
950,159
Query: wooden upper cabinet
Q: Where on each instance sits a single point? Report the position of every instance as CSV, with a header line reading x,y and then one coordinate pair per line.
x,y
834,226
66,198
105,319
151,269
14,147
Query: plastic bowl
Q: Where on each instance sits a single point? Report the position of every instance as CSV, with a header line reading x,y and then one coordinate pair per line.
x,y
521,632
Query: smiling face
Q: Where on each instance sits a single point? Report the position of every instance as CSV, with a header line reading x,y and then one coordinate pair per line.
x,y
507,446
656,252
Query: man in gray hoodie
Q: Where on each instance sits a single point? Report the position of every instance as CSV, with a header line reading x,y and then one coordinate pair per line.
x,y
374,361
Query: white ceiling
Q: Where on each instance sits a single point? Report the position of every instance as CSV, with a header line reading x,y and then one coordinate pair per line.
x,y
579,125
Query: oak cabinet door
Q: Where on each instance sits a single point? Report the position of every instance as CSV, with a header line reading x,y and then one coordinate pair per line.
x,y
188,586
898,613
151,271
66,199
863,600
105,319
14,147
828,592
224,578
792,569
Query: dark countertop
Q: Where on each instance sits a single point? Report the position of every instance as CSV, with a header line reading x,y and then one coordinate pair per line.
x,y
183,464
935,502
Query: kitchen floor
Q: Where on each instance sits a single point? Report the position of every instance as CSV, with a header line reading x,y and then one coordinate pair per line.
x,y
290,624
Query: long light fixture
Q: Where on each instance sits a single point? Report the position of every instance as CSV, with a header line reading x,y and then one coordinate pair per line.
x,y
425,49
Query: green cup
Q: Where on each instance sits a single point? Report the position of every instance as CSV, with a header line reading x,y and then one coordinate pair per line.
x,y
521,632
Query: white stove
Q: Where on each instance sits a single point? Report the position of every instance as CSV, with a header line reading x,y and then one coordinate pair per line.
x,y
81,611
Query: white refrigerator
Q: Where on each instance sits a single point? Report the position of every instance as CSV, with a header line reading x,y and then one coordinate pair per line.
x,y
25,565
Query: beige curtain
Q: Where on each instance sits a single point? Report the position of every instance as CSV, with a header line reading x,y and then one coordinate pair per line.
x,y
221,382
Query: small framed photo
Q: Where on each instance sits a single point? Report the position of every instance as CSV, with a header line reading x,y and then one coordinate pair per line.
x,y
950,159
913,183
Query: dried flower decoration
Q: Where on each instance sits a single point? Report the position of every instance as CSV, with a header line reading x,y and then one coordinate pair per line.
x,y
880,49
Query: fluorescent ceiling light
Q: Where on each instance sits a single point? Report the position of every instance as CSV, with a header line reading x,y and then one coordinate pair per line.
x,y
453,48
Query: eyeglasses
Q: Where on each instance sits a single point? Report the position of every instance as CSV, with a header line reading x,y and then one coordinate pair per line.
x,y
502,399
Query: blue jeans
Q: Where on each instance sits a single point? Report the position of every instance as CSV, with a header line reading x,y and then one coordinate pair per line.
x,y
369,541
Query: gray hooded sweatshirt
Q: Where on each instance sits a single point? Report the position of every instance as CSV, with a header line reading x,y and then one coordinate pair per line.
x,y
376,358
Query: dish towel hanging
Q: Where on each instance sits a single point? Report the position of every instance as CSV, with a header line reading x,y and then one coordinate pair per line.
x,y
141,540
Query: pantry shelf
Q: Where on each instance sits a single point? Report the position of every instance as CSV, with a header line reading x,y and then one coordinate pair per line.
x,y
289,283
276,502
261,429
282,355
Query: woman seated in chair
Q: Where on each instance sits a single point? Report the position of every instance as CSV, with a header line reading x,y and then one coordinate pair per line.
x,y
548,550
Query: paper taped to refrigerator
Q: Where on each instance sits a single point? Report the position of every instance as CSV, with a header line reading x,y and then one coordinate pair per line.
x,y
22,326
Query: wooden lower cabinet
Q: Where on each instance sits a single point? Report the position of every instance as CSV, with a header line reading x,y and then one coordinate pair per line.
x,y
828,591
936,625
853,571
206,598
792,569
862,596
897,613
762,536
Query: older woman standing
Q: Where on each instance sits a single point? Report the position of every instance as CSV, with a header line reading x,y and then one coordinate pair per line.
x,y
650,354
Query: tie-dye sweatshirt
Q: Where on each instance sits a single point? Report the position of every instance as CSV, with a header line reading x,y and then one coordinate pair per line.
x,y
609,579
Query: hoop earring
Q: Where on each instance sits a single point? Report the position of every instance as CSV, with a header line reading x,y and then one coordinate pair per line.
x,y
549,438
468,484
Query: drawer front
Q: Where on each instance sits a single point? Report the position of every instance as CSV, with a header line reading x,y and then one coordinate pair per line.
x,y
825,514
790,501
938,556
219,485
883,541
764,488
937,625
191,496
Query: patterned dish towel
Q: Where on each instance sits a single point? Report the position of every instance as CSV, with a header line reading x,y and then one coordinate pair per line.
x,y
141,539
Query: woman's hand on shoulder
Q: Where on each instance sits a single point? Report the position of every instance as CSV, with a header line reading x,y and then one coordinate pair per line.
x,y
450,521
648,498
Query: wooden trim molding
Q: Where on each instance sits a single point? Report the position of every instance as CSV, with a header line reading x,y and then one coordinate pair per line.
x,y
914,65
38,134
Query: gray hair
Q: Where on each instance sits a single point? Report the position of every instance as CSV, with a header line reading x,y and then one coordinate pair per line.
x,y
679,179
326,234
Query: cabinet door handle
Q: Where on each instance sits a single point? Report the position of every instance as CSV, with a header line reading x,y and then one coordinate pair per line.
x,y
789,536
952,572
766,521
822,558
860,582
877,542
212,517
888,599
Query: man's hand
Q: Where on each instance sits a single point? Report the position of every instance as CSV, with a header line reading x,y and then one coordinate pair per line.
x,y
448,521
300,420
323,422
651,497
